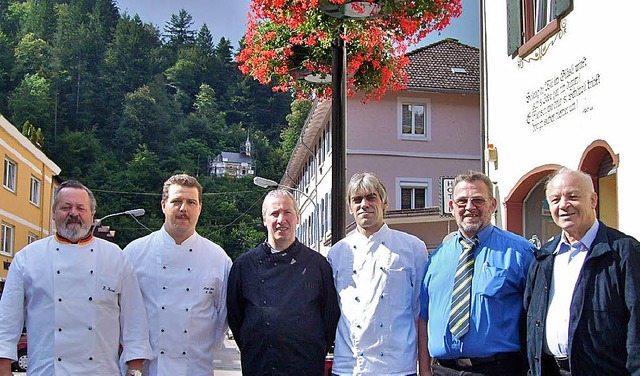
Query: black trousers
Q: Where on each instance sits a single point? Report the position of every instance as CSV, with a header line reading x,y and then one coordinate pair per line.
x,y
506,364
550,366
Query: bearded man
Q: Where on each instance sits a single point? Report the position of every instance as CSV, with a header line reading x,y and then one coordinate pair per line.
x,y
77,296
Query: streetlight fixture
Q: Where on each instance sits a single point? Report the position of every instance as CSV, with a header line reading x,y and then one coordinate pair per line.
x,y
132,212
268,183
351,9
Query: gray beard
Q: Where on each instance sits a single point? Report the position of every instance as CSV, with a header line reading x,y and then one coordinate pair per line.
x,y
73,234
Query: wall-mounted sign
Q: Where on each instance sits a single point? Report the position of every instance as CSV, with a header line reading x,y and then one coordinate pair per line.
x,y
446,194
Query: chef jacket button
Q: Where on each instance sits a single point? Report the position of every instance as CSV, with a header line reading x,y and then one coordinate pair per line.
x,y
381,354
184,353
381,325
382,296
164,287
91,249
190,250
90,298
186,309
90,327
58,271
268,323
162,352
164,267
262,281
264,302
90,358
355,272
90,271
185,330
382,243
188,269
162,307
359,326
59,359
59,329
187,289
357,298
57,249
162,330
59,299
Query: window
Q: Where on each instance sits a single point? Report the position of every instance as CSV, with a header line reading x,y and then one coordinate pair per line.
x,y
414,119
413,193
34,195
532,22
9,180
7,239
31,238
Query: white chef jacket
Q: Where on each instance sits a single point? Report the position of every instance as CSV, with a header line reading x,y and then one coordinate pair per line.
x,y
184,288
378,283
76,299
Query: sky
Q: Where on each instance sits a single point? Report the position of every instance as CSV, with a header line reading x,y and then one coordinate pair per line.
x,y
227,18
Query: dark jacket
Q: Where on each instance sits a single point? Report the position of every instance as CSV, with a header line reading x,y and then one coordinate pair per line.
x,y
604,325
283,310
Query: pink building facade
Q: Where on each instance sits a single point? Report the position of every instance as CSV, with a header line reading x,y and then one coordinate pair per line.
x,y
414,140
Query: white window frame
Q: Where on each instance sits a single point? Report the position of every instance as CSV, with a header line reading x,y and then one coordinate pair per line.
x,y
31,237
35,191
420,183
10,175
7,238
426,102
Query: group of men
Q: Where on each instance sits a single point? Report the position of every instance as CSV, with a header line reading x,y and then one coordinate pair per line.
x,y
486,302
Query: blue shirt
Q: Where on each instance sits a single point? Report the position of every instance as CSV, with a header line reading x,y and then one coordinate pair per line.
x,y
502,260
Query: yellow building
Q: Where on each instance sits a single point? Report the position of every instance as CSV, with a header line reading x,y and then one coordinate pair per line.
x,y
26,193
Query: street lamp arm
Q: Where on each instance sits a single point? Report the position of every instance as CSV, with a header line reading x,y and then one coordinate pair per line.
x,y
132,212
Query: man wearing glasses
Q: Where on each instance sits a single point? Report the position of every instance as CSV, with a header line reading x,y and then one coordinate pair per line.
x,y
471,298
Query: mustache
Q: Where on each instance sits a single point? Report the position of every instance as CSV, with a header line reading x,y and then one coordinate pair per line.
x,y
74,219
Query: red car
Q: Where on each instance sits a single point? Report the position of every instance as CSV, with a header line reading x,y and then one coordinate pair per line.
x,y
21,364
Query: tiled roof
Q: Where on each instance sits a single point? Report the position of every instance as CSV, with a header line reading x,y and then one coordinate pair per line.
x,y
434,67
236,157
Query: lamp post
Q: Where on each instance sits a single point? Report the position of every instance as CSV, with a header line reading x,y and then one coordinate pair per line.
x,y
132,212
268,183
351,9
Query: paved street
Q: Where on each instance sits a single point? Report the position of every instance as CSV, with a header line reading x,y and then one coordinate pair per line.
x,y
227,361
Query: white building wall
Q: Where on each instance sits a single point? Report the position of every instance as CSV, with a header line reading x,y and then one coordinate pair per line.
x,y
588,75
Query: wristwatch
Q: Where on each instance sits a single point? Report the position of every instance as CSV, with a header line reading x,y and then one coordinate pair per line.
x,y
134,372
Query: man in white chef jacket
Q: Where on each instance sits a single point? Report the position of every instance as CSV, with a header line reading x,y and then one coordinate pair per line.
x,y
183,278
78,297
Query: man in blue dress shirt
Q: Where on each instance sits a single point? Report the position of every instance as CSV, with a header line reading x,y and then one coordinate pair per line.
x,y
493,340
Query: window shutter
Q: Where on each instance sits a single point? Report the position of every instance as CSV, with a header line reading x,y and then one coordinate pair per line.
x,y
562,7
514,26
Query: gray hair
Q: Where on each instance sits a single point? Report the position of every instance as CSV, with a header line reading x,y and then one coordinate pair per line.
x,y
366,182
586,178
471,176
77,185
279,192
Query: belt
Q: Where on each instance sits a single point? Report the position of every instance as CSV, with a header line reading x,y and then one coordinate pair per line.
x,y
563,363
472,362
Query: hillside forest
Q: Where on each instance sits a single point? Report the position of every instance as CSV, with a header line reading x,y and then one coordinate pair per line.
x,y
121,104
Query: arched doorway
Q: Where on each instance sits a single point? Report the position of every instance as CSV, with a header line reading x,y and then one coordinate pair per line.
x,y
526,209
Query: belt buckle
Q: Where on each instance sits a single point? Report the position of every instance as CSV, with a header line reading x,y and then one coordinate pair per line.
x,y
464,362
563,363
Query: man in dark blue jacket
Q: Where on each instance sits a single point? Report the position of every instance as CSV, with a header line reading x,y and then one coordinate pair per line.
x,y
282,305
583,290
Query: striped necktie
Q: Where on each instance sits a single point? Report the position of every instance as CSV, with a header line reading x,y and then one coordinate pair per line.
x,y
461,295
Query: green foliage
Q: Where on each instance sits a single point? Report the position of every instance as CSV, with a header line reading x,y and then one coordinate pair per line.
x,y
122,107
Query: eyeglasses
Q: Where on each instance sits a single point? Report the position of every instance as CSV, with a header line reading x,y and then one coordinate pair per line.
x,y
462,202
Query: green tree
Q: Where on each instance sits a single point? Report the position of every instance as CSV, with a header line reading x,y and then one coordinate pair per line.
x,y
32,101
179,30
31,56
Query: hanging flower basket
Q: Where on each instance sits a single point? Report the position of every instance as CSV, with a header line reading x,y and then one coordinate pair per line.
x,y
287,40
